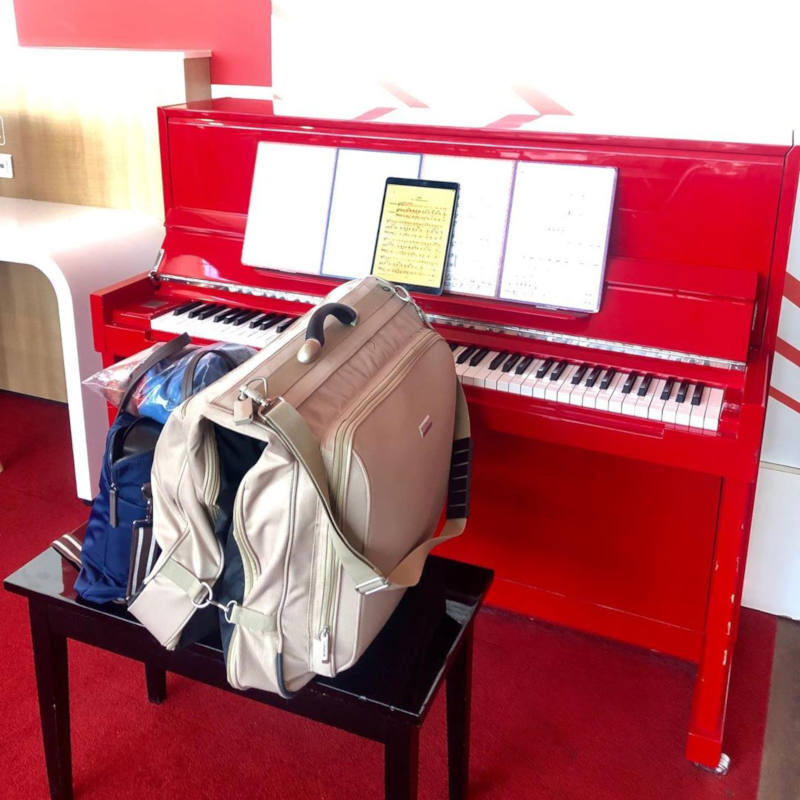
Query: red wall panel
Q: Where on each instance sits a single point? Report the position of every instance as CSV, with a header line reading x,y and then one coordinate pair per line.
x,y
236,32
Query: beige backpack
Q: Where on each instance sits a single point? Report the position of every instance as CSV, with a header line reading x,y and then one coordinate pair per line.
x,y
299,495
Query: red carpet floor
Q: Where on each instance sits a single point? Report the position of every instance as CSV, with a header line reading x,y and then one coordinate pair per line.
x,y
556,714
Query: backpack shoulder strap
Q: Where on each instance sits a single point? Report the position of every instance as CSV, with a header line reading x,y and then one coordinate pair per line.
x,y
293,431
165,350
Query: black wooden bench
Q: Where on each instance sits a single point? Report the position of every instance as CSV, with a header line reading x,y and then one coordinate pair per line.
x,y
385,697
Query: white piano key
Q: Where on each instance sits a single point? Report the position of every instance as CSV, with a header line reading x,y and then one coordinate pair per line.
x,y
469,374
604,396
698,412
566,387
671,407
460,368
713,410
493,376
629,400
684,412
617,398
506,379
484,369
526,388
580,389
657,405
643,402
519,378
551,391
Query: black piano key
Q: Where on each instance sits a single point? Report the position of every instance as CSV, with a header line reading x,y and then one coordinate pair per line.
x,y
645,385
543,369
523,365
246,317
231,316
223,313
593,376
453,345
629,381
479,356
558,371
276,320
256,321
196,310
187,307
210,311
667,390
282,326
682,390
579,373
498,359
465,354
607,378
511,361
698,394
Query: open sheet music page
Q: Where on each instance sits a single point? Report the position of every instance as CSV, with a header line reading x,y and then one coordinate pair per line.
x,y
289,207
558,235
481,217
356,206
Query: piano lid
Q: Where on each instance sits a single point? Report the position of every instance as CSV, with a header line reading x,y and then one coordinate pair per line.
x,y
692,231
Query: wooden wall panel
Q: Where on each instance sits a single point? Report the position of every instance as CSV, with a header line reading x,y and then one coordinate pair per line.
x,y
81,126
30,340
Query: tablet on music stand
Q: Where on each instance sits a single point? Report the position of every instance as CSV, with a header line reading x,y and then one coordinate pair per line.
x,y
415,232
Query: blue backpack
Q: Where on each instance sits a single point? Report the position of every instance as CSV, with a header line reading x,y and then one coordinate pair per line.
x,y
123,502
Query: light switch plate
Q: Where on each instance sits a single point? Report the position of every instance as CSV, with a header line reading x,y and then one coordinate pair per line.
x,y
6,166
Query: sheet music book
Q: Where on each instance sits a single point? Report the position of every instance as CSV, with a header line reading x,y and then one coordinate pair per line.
x,y
527,232
289,200
558,235
481,218
356,206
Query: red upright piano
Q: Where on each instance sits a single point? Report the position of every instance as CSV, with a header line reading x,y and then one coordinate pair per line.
x,y
627,524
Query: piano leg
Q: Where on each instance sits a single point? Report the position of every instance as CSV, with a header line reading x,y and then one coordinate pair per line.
x,y
707,721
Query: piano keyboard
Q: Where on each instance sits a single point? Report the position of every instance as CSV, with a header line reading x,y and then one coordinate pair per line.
x,y
635,394
671,400
220,323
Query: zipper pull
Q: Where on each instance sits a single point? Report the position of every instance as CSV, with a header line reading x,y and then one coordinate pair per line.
x,y
322,646
147,493
112,506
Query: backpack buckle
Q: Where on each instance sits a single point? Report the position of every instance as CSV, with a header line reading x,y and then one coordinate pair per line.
x,y
371,586
204,598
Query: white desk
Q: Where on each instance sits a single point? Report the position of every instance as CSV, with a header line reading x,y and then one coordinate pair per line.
x,y
79,249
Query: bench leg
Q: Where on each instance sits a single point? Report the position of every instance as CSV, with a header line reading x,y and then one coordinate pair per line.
x,y
459,692
52,686
401,762
156,679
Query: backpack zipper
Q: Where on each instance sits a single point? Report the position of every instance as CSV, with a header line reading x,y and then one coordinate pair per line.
x,y
212,476
249,559
342,441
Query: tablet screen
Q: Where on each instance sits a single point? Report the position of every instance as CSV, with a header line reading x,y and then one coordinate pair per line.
x,y
414,233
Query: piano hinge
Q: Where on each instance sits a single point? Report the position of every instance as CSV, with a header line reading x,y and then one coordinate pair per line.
x,y
154,269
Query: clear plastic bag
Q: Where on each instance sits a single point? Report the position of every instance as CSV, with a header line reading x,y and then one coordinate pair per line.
x,y
166,385
112,381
